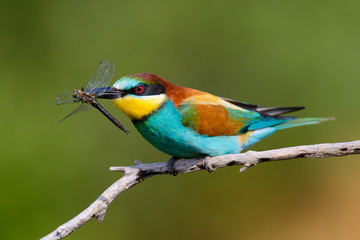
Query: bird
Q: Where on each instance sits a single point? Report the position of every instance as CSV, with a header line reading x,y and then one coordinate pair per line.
x,y
188,123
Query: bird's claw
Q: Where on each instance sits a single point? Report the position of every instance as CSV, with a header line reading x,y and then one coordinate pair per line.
x,y
207,165
247,165
171,166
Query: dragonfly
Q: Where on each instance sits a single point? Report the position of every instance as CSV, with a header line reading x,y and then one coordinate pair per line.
x,y
87,97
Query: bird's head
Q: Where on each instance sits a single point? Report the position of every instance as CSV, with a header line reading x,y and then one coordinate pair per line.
x,y
138,95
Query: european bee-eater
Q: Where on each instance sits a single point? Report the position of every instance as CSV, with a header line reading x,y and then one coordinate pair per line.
x,y
188,123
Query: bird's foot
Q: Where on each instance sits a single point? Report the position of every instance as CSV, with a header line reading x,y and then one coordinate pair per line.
x,y
207,165
171,166
247,165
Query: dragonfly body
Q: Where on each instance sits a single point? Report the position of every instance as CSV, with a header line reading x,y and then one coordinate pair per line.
x,y
83,96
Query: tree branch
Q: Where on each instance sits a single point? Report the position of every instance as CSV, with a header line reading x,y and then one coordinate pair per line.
x,y
139,172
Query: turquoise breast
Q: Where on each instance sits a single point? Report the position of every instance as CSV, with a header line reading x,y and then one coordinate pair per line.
x,y
164,130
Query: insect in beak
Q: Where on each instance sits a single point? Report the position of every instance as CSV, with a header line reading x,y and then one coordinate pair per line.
x,y
108,93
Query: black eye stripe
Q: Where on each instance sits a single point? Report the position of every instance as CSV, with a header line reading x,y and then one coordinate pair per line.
x,y
148,90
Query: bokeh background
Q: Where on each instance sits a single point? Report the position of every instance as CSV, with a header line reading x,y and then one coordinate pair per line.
x,y
273,53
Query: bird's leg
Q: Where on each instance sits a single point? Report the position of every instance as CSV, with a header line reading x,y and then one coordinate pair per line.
x,y
171,166
207,165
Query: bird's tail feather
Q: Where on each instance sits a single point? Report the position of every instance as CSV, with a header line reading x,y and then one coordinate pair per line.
x,y
301,122
253,137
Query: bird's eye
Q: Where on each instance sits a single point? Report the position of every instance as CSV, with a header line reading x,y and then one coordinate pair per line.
x,y
139,89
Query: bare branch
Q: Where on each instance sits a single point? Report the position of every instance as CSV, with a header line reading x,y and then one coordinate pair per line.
x,y
139,172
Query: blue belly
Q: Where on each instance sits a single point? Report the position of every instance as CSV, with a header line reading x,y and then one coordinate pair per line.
x,y
164,130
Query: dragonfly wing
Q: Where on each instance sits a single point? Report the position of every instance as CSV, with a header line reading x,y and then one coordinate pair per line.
x,y
98,78
97,75
102,77
106,76
82,107
65,97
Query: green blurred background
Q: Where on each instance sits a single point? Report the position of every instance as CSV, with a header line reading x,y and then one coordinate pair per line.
x,y
273,53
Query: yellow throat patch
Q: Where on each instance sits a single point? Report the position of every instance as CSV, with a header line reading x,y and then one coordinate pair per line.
x,y
137,107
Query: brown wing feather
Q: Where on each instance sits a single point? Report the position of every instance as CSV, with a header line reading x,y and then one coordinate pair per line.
x,y
209,115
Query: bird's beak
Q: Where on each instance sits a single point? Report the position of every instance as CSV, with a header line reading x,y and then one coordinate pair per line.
x,y
108,93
